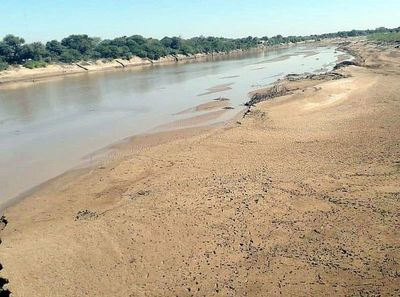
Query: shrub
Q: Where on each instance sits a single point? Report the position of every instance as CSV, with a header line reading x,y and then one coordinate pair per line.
x,y
3,65
70,55
385,37
34,64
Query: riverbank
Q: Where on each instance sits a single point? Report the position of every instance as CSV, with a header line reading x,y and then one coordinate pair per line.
x,y
17,76
298,197
24,75
41,122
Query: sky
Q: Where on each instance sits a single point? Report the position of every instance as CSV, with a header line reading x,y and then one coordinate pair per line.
x,y
43,20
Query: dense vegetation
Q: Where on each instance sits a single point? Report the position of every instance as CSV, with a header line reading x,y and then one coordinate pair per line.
x,y
385,37
14,50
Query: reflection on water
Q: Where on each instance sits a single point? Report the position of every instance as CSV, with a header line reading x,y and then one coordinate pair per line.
x,y
48,127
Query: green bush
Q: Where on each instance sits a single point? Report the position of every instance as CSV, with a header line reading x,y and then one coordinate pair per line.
x,y
385,37
70,55
34,64
3,65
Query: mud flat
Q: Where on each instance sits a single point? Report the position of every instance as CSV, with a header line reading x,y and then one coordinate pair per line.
x,y
298,197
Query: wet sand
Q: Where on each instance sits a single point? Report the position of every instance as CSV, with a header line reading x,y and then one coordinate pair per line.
x,y
217,89
298,198
192,121
217,103
76,115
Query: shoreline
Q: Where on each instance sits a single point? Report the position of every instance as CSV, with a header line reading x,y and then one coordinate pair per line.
x,y
17,76
170,127
24,75
204,117
296,197
105,156
158,135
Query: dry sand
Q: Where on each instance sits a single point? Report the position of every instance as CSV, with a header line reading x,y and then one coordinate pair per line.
x,y
299,198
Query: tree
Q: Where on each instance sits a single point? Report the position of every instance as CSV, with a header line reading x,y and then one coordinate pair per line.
x,y
54,48
70,55
108,50
3,64
14,50
6,52
81,43
10,49
34,51
140,40
119,41
166,41
176,43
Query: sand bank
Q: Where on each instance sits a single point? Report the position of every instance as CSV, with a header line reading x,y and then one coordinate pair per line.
x,y
299,197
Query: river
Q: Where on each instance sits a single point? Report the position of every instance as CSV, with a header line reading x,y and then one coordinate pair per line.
x,y
47,128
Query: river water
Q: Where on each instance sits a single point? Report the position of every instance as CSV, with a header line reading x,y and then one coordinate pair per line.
x,y
47,128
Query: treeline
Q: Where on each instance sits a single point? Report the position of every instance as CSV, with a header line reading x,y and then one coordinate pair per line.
x,y
279,39
386,37
14,50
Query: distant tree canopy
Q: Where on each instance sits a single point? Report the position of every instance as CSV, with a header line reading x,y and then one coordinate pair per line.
x,y
14,50
385,37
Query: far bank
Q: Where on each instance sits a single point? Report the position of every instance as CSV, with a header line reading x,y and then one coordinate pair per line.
x,y
17,76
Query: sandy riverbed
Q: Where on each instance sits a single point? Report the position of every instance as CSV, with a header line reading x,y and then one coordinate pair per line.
x,y
298,198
